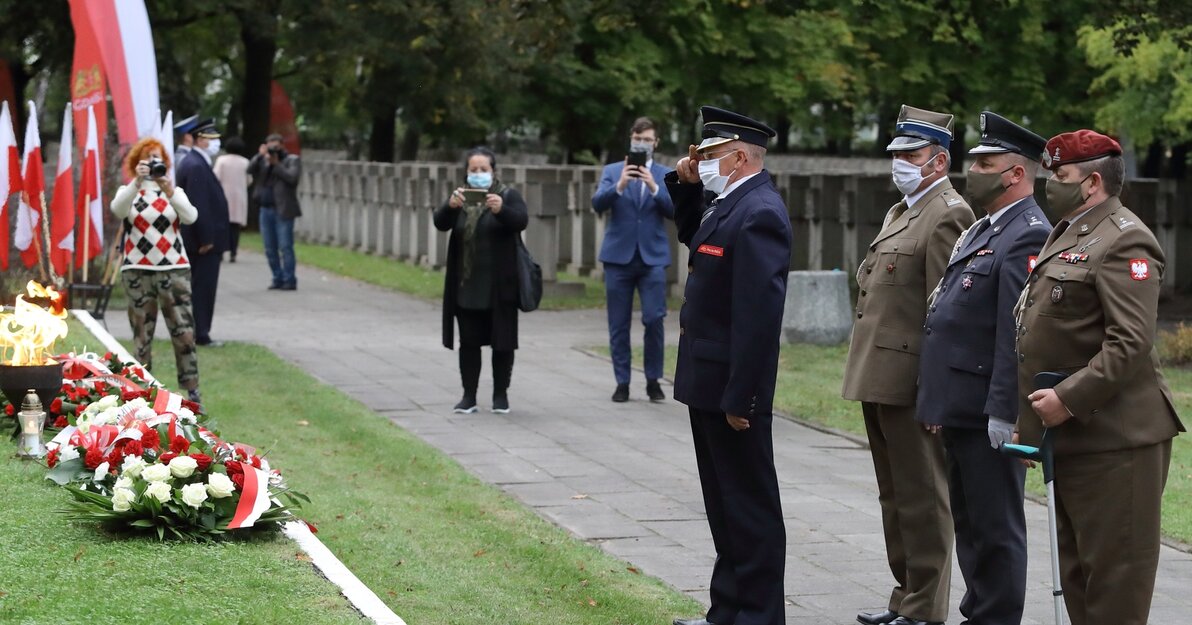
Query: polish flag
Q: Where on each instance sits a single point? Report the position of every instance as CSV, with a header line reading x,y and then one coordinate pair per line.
x,y
125,41
254,498
165,134
32,207
166,401
10,177
62,219
90,215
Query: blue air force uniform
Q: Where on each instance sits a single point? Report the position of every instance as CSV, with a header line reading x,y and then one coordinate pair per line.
x,y
968,375
730,326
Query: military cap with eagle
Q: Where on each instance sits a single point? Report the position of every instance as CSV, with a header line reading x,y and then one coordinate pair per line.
x,y
917,128
721,126
1000,135
205,128
1077,147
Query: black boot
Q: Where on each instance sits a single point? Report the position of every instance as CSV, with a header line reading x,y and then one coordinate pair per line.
x,y
467,405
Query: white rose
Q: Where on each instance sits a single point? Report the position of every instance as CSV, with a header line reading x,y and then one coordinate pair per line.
x,y
123,481
68,453
159,490
133,466
156,473
183,466
185,415
122,499
101,471
138,403
220,486
105,402
194,495
107,417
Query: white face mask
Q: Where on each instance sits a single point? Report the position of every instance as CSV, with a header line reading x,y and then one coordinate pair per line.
x,y
213,148
908,176
709,174
642,146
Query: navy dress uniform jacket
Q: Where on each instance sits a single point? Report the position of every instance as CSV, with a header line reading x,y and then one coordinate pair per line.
x,y
196,177
731,320
637,221
968,368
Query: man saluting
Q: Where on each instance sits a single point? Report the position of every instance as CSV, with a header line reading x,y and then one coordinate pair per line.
x,y
729,326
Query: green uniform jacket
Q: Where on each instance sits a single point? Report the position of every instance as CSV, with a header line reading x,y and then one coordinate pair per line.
x,y
1089,310
902,267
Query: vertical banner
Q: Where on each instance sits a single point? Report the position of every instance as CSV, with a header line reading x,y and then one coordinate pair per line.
x,y
125,41
32,206
90,237
281,118
10,177
62,219
86,75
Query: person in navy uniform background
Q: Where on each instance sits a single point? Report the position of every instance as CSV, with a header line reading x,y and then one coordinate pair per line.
x,y
636,253
207,238
729,329
968,370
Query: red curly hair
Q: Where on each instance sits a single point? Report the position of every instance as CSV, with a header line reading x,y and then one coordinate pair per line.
x,y
140,151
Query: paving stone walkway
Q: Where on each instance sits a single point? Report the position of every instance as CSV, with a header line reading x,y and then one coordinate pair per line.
x,y
621,476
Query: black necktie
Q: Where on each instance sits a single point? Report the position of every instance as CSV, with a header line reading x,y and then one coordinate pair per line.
x,y
708,211
981,226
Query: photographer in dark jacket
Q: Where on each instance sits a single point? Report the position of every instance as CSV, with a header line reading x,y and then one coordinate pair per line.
x,y
275,174
480,289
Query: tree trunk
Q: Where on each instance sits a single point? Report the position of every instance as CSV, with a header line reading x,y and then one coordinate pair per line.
x,y
1152,165
1178,167
383,136
258,33
783,128
957,150
409,143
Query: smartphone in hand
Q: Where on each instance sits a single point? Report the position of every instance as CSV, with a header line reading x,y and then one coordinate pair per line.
x,y
475,196
637,158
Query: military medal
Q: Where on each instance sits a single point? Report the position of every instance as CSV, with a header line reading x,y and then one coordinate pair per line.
x,y
1057,294
1072,258
984,252
967,283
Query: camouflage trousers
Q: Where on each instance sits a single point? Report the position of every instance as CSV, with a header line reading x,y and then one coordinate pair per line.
x,y
167,291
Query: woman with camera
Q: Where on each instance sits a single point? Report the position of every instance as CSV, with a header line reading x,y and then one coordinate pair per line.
x,y
480,290
156,271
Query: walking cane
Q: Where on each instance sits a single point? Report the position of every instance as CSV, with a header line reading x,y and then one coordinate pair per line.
x,y
1044,454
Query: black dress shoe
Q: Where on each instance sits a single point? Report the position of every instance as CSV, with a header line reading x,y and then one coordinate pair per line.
x,y
621,394
292,286
877,618
692,621
274,286
902,620
654,391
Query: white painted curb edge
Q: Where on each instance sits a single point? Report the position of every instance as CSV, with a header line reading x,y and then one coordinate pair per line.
x,y
363,599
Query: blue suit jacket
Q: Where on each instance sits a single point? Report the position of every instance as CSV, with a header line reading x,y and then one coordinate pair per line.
x,y
637,221
731,319
195,177
968,368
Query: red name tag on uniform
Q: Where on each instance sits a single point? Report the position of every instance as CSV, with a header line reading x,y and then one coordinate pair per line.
x,y
710,250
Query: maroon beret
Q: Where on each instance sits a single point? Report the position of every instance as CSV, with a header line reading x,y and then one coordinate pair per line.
x,y
1077,147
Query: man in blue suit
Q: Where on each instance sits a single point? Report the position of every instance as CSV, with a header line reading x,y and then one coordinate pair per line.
x,y
636,253
729,329
968,369
207,238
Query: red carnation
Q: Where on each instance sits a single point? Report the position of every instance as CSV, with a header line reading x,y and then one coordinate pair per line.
x,y
179,445
80,408
134,448
66,387
56,406
192,406
115,459
107,355
101,388
150,439
93,458
61,422
8,410
167,457
256,461
203,460
52,457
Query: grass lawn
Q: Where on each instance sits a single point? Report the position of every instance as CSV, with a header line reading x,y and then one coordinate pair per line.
x,y
808,388
433,542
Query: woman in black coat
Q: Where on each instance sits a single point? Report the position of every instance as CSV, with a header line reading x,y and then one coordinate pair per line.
x,y
480,289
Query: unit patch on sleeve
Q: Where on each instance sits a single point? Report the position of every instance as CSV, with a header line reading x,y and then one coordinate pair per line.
x,y
1140,269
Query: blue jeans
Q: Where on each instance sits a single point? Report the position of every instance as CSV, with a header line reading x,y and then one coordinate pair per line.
x,y
619,283
277,234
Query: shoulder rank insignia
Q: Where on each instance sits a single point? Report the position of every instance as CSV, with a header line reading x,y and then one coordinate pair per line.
x,y
1073,258
1124,223
953,201
1032,219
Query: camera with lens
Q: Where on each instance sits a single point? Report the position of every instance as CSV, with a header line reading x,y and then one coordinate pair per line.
x,y
157,168
276,150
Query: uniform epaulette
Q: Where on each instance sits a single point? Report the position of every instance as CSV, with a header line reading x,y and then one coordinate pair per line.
x,y
1032,219
1124,222
950,199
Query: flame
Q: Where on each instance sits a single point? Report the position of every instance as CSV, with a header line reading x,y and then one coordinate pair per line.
x,y
27,334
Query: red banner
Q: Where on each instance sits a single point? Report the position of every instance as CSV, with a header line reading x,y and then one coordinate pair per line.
x,y
87,84
281,119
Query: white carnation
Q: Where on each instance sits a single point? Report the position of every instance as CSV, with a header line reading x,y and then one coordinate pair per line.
x,y
133,466
183,466
68,453
107,417
137,403
159,490
144,413
185,415
220,486
156,473
101,471
122,499
105,402
194,495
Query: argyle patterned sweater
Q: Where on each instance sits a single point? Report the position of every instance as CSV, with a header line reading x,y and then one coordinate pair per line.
x,y
151,225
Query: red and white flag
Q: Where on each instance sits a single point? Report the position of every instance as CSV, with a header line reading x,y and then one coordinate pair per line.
x,y
62,219
166,402
32,207
90,200
10,177
125,40
254,498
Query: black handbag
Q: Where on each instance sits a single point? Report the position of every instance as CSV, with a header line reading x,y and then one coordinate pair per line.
x,y
529,279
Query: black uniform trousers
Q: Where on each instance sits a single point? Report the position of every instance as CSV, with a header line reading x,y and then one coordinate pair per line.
x,y
986,492
204,278
740,488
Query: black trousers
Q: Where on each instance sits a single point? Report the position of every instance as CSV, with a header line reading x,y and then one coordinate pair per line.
x,y
986,490
740,488
234,238
204,278
475,330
